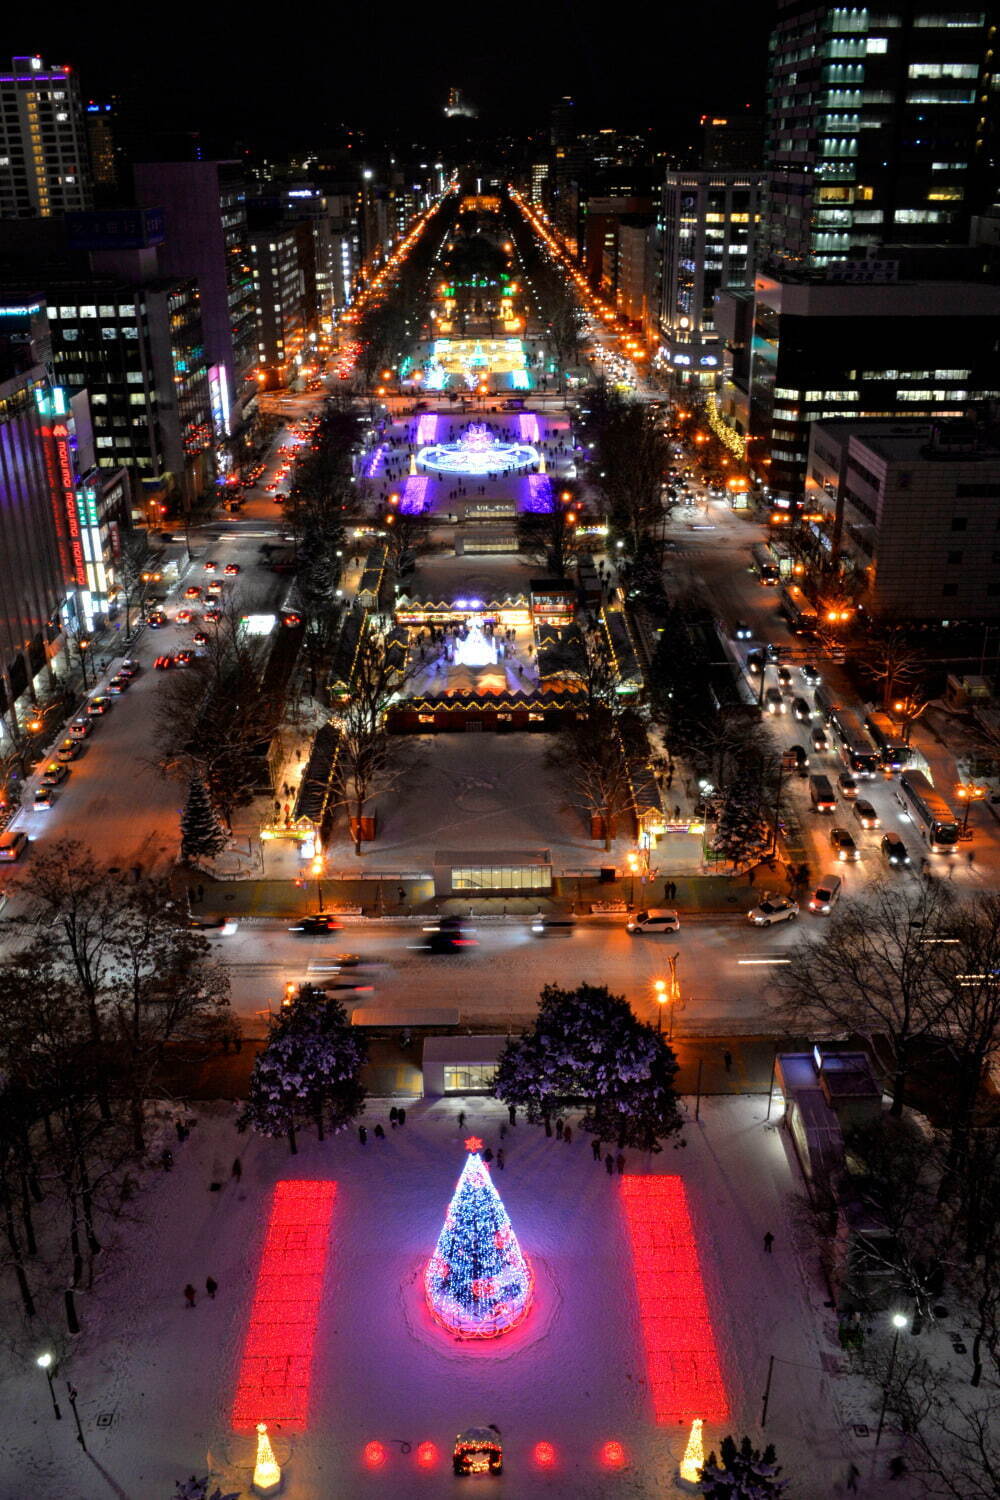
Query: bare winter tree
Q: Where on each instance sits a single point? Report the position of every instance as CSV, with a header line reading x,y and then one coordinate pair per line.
x,y
370,760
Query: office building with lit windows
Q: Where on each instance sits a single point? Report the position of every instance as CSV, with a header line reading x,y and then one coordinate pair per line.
x,y
709,223
279,284
44,168
879,126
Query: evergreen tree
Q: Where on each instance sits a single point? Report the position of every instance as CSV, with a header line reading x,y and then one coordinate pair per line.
x,y
477,1282
743,1473
201,832
588,1049
197,1489
308,1072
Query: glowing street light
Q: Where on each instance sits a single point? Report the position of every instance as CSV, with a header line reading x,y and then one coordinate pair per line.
x,y
968,793
47,1362
899,1322
660,989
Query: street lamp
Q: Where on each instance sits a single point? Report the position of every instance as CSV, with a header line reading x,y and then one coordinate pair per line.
x,y
968,793
317,869
899,1322
660,986
633,865
46,1362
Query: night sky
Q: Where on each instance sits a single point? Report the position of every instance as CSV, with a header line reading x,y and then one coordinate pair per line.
x,y
294,74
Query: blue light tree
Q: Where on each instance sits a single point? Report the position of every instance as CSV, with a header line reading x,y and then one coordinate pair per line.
x,y
477,1283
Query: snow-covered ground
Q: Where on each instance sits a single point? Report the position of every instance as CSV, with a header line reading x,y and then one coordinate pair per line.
x,y
156,1379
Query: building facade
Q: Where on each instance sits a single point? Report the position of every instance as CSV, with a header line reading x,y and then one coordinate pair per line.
x,y
912,511
878,126
709,223
279,286
44,167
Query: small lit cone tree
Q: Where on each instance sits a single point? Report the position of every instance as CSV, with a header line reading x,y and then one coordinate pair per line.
x,y
477,1283
201,831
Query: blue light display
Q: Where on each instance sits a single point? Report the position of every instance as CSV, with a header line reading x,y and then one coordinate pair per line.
x,y
477,1283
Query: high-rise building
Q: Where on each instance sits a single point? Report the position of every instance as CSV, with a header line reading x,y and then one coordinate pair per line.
x,y
709,223
732,143
878,126
279,282
204,205
44,168
100,115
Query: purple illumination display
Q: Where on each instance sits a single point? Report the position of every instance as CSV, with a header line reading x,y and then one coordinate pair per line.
x,y
477,1283
427,426
372,465
527,427
539,501
413,495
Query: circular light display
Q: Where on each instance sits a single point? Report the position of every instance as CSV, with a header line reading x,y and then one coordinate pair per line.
x,y
478,451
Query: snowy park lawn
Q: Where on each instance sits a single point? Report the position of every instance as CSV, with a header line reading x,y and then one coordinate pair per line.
x,y
157,1380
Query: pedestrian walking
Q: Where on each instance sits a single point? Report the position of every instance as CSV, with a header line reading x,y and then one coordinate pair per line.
x,y
487,1155
727,1058
620,1164
190,1294
362,1135
237,1169
211,1286
393,1116
971,858
379,1133
461,1119
609,1164
503,1132
853,1475
568,1136
768,1242
401,1117
595,1146
559,1127
500,1157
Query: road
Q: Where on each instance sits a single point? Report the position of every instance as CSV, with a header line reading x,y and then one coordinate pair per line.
x,y
725,968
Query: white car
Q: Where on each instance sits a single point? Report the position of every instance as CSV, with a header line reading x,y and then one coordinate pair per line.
x,y
657,919
773,908
826,894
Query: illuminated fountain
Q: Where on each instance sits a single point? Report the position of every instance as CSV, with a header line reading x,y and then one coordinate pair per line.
x,y
476,650
478,451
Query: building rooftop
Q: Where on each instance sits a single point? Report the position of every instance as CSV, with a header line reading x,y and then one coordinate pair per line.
x,y
898,442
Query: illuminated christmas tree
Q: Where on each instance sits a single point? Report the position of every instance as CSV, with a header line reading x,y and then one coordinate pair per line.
x,y
477,1283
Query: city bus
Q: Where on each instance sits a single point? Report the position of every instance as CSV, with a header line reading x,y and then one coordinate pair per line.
x,y
856,749
801,614
887,737
764,564
928,811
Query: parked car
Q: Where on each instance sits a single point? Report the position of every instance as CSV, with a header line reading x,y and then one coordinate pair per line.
x,y
826,894
55,773
894,849
44,797
773,908
843,845
98,706
129,668
68,750
156,620
848,786
119,684
801,710
656,919
866,814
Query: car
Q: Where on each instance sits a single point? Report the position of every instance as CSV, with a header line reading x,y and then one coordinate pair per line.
x,y
742,631
773,908
80,728
819,740
785,678
212,615
215,589
232,569
553,926
773,701
55,773
796,759
185,616
826,894
68,750
129,668
843,845
894,849
866,814
224,926
448,938
98,706
756,662
801,710
163,663
319,921
157,619
210,565
810,674
183,658
119,685
656,919
193,591
200,638
847,785
44,797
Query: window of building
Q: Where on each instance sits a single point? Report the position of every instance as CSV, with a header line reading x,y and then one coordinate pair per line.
x,y
88,312
109,333
71,335
67,312
943,70
130,332
126,310
468,1078
105,442
133,377
876,44
959,523
501,878
941,96
967,18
